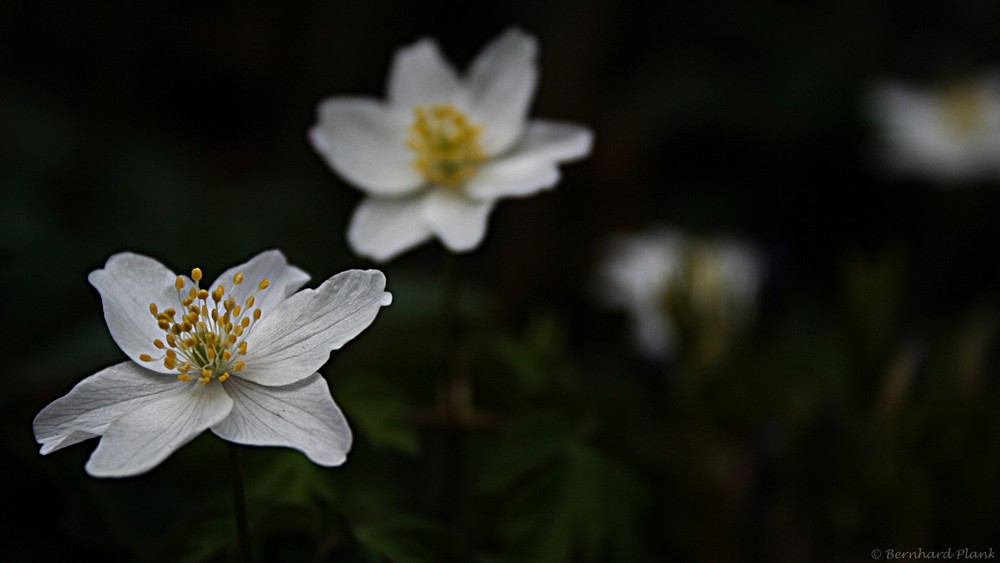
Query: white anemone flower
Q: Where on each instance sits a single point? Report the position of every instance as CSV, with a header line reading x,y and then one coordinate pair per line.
x,y
663,277
950,134
435,157
238,356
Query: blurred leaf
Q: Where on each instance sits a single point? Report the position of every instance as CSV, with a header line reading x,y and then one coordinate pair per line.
x,y
583,506
288,478
874,290
208,540
524,445
533,357
404,540
379,410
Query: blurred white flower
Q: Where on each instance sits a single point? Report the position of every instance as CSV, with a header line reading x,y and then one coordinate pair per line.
x,y
240,359
947,134
435,157
664,278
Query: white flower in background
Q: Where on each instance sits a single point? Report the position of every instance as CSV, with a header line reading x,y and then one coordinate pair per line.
x,y
948,134
663,278
435,157
238,356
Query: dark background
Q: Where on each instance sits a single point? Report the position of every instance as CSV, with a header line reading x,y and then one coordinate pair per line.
x,y
181,133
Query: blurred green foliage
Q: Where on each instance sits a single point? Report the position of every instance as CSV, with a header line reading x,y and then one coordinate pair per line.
x,y
857,413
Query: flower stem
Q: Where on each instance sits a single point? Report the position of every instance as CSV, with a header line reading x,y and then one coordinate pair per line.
x,y
452,385
239,502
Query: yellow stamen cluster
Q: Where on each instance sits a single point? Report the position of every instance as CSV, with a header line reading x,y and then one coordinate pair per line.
x,y
964,109
204,335
446,143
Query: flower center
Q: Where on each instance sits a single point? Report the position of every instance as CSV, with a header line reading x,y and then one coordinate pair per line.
x,y
446,144
204,338
964,110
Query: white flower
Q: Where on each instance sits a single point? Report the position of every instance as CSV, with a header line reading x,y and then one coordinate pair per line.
x,y
663,274
948,134
238,356
442,149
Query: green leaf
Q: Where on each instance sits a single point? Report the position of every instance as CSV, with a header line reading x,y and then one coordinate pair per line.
x,y
287,477
404,540
527,443
583,507
379,410
536,355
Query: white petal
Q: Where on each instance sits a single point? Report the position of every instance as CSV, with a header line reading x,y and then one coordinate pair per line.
x,y
532,165
128,284
296,338
383,228
654,335
501,84
94,403
365,142
420,75
458,221
140,440
284,280
301,416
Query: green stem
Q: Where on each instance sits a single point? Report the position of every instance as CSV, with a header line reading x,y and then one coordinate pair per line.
x,y
453,440
239,502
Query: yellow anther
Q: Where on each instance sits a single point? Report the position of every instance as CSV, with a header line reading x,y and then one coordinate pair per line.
x,y
446,144
256,314
203,339
263,284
